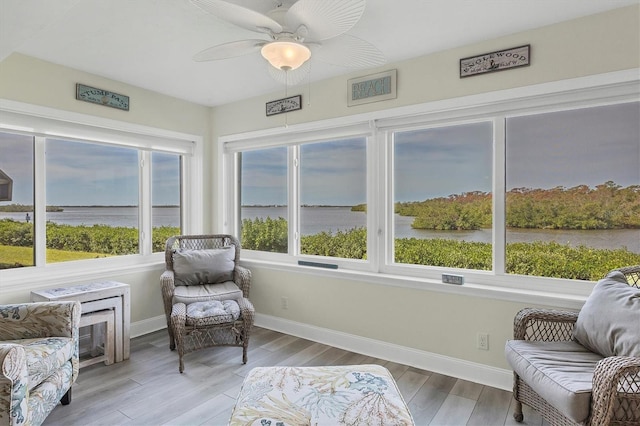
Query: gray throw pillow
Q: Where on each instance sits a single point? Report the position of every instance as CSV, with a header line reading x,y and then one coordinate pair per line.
x,y
197,267
609,321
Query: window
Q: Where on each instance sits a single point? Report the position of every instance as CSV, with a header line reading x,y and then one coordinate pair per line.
x,y
333,196
264,200
165,198
573,191
504,189
90,196
92,199
16,201
442,196
330,208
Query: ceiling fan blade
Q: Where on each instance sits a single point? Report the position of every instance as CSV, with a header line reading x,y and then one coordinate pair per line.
x,y
229,50
349,51
325,19
238,15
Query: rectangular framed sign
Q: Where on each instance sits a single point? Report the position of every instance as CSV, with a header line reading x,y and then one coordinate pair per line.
x,y
101,97
495,61
292,103
372,88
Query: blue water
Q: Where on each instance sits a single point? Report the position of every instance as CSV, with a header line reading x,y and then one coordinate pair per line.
x,y
317,219
112,216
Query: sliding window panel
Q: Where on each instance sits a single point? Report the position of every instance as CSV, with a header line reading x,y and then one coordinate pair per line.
x,y
573,192
263,200
165,198
95,190
16,201
442,178
333,196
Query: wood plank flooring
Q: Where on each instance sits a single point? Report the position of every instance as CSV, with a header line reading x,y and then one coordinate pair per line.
x,y
148,389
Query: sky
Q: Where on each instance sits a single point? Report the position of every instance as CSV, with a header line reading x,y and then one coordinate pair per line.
x,y
587,146
86,174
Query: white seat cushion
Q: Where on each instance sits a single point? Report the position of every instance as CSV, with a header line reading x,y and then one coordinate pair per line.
x,y
560,372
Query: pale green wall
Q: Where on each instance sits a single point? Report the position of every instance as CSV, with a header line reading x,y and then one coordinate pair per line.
x,y
431,321
425,320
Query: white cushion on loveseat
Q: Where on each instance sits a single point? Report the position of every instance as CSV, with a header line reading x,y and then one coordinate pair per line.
x,y
560,372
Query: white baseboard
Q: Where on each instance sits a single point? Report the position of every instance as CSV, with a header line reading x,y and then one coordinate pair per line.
x,y
454,367
140,328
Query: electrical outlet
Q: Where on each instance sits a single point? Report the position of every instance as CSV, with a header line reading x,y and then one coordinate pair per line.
x,y
284,301
453,279
482,341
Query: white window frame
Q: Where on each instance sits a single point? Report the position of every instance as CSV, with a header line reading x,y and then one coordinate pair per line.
x,y
44,122
591,91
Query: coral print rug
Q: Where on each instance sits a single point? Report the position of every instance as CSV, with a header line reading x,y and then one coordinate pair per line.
x,y
333,395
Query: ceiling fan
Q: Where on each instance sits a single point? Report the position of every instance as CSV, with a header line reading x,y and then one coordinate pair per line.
x,y
294,33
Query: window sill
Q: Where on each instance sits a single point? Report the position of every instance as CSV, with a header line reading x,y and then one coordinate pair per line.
x,y
65,273
518,291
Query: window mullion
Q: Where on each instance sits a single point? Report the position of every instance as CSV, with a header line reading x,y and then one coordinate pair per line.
x,y
40,201
375,200
144,202
499,191
293,179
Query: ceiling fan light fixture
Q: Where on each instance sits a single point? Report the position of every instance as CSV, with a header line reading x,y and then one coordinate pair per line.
x,y
286,55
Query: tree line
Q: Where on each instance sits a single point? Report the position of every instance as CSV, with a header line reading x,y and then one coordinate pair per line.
x,y
606,206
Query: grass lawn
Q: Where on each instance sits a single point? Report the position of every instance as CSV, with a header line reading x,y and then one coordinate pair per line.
x,y
23,256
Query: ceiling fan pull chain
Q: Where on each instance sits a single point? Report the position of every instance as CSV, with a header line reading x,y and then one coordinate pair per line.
x,y
286,95
309,85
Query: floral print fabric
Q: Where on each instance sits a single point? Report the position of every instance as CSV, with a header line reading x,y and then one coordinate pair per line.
x,y
336,395
38,358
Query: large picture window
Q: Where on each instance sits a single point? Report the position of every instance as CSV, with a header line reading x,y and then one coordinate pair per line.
x,y
528,189
111,194
442,196
573,191
92,194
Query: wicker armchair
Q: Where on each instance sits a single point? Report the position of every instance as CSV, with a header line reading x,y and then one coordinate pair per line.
x,y
615,387
206,294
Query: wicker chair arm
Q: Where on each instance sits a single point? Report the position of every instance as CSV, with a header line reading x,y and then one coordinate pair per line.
x,y
616,391
168,286
242,278
547,325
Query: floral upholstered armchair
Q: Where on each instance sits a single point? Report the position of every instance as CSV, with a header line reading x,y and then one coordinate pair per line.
x,y
38,359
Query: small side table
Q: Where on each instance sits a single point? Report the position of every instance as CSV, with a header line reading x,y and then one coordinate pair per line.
x,y
92,320
99,296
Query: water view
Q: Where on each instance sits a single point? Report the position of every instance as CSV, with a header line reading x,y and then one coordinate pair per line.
x,y
318,219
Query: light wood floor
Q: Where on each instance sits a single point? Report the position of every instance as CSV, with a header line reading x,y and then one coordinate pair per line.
x,y
148,389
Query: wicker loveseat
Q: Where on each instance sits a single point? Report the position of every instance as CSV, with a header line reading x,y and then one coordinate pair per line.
x,y
38,358
582,368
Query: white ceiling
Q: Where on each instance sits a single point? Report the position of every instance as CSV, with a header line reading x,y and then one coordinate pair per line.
x,y
150,43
